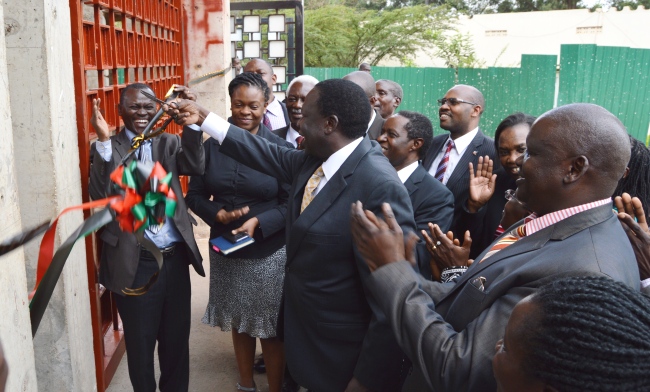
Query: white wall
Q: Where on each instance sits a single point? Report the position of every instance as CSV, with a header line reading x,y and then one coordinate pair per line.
x,y
543,32
39,61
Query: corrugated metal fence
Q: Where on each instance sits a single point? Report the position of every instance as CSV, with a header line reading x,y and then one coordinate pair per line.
x,y
616,78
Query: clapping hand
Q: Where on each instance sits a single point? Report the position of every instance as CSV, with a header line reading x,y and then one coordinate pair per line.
x,y
637,232
481,183
98,123
446,251
380,241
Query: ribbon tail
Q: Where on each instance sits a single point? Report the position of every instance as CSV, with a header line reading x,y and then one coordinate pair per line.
x,y
23,238
153,249
46,287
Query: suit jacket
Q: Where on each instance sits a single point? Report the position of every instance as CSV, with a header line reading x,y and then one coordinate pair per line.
x,y
450,330
375,128
483,223
432,202
181,155
333,330
282,132
458,182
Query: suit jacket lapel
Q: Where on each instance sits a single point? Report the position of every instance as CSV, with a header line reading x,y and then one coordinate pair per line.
x,y
325,197
412,182
468,155
122,145
434,150
558,232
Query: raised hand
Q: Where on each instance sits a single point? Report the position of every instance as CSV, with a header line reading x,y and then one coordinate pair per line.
x,y
224,217
98,123
186,112
481,183
446,251
637,231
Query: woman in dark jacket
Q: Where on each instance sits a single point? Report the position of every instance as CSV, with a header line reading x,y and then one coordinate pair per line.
x,y
246,285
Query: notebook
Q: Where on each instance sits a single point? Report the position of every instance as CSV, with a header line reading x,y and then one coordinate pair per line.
x,y
225,247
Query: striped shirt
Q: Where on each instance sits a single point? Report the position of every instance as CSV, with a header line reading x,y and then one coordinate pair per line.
x,y
544,221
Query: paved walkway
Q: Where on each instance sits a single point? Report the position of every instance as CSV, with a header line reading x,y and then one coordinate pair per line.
x,y
212,360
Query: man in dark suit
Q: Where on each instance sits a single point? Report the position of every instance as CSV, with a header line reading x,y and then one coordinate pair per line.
x,y
405,138
163,313
568,175
449,156
367,83
337,338
276,115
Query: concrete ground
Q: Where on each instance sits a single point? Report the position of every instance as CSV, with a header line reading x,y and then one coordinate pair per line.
x,y
212,359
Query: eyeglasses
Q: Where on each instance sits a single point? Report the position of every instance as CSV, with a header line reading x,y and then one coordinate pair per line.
x,y
510,195
454,101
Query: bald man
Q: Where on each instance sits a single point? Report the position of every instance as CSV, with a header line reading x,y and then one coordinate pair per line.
x,y
449,156
576,154
276,117
367,83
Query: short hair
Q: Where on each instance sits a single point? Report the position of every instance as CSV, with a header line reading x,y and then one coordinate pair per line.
x,y
302,79
262,60
637,182
134,86
250,79
394,88
348,102
418,126
589,334
511,121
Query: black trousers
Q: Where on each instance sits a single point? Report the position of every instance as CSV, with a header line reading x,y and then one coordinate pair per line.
x,y
163,315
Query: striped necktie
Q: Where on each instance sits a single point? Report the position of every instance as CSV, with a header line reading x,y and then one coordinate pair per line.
x,y
312,184
507,240
442,166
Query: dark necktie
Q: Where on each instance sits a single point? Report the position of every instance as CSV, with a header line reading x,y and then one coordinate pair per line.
x,y
442,166
267,122
299,140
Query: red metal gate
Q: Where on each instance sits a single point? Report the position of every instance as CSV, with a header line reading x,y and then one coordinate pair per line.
x,y
114,43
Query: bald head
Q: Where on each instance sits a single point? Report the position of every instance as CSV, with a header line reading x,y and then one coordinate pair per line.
x,y
472,93
363,80
264,69
592,131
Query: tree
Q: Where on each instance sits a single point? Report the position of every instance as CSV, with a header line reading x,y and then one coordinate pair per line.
x,y
457,51
341,36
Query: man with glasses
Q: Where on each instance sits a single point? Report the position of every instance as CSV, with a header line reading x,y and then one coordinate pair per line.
x,y
449,156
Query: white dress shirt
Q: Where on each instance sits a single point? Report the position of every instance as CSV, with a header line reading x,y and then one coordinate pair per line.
x,y
217,127
406,172
460,145
275,114
292,135
372,118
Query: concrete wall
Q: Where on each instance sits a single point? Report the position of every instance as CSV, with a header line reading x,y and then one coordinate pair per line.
x,y
39,61
207,49
501,39
15,328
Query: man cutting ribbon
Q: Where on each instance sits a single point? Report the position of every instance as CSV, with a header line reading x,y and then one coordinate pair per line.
x,y
126,263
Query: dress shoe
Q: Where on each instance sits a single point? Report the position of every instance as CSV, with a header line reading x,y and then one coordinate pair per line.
x,y
259,365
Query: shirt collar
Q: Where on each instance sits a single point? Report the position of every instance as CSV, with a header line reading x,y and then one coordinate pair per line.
x,y
372,119
406,172
538,223
275,108
292,135
461,143
129,133
334,162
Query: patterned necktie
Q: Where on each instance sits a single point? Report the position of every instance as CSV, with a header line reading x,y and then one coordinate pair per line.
x,y
442,166
509,239
299,140
312,184
267,122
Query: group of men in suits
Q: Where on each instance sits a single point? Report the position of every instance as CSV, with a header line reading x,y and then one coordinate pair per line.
x,y
347,328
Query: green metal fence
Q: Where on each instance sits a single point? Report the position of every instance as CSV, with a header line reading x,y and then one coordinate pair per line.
x,y
616,78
